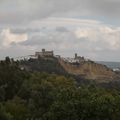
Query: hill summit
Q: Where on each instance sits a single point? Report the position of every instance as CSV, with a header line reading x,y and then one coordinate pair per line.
x,y
47,61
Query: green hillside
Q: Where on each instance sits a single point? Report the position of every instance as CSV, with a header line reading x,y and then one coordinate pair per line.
x,y
49,65
27,95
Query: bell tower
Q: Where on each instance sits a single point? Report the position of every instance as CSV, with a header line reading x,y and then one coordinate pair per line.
x,y
75,55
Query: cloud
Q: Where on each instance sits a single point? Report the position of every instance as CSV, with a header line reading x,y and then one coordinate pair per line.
x,y
62,29
65,22
24,30
58,35
67,26
21,12
8,38
102,38
90,38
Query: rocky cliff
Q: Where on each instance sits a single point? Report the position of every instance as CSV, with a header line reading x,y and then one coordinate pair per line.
x,y
91,70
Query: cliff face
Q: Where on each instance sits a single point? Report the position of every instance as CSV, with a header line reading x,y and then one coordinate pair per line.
x,y
85,70
91,70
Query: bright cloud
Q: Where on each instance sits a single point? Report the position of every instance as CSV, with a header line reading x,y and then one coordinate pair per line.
x,y
90,38
9,38
104,37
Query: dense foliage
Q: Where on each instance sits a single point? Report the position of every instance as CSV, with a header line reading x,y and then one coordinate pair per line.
x,y
49,65
42,96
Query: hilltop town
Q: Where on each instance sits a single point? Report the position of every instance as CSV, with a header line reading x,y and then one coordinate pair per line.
x,y
49,54
78,65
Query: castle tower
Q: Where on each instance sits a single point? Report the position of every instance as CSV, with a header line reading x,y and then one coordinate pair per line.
x,y
43,50
75,55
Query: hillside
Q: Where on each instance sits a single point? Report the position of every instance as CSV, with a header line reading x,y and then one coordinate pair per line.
x,y
86,70
41,96
49,65
91,70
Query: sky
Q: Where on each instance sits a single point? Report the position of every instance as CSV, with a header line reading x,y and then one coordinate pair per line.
x,y
90,28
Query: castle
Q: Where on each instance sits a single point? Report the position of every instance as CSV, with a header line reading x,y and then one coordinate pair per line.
x,y
49,54
44,53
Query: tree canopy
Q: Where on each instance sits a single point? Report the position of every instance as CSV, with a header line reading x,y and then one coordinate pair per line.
x,y
44,96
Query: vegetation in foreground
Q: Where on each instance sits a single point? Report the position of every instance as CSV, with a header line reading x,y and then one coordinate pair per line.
x,y
42,96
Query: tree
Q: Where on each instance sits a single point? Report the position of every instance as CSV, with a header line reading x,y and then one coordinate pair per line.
x,y
7,60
